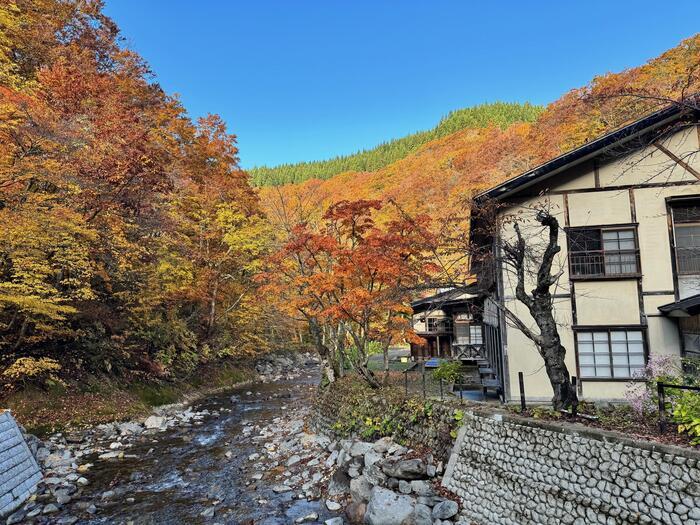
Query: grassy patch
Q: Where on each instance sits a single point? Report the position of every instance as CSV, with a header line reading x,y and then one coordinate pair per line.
x,y
153,394
97,400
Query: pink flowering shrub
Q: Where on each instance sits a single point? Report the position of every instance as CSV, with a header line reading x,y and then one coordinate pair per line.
x,y
641,393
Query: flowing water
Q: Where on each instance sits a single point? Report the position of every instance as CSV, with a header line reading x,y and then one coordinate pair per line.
x,y
179,473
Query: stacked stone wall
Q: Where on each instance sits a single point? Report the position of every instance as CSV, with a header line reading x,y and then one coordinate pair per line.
x,y
19,472
433,432
511,470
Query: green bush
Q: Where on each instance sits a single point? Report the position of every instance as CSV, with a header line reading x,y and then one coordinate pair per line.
x,y
686,414
448,371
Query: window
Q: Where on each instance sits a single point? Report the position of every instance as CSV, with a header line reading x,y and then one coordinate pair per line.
x,y
468,334
439,324
686,226
610,353
476,336
603,252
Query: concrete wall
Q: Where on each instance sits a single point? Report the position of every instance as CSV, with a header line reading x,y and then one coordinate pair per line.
x,y
509,470
627,190
19,472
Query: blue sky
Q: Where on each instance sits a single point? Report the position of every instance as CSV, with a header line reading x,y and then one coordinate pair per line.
x,y
312,79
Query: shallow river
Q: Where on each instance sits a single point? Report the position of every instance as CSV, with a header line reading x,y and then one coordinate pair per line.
x,y
173,480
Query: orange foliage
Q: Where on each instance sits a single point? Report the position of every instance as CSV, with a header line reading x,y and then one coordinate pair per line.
x,y
436,179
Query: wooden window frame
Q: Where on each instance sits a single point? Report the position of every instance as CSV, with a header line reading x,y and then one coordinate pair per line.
x,y
609,329
481,336
449,328
602,228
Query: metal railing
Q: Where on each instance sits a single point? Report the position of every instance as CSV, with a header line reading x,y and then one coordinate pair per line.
x,y
604,263
661,391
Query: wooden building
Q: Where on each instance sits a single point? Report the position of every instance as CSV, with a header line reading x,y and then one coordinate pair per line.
x,y
629,207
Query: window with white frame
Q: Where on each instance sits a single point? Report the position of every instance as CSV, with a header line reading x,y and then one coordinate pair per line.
x,y
476,334
614,353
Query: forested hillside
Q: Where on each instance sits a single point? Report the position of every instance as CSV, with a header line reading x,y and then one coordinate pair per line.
x,y
129,235
438,175
499,114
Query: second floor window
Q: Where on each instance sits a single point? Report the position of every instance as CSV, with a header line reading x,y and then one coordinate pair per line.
x,y
439,324
603,252
686,226
468,334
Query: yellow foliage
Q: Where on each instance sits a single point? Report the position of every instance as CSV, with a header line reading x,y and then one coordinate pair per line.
x,y
29,368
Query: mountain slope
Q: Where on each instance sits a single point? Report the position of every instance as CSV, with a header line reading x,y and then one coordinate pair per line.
x,y
437,176
501,114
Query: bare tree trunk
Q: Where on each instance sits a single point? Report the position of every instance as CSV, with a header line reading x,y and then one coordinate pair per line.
x,y
554,355
212,308
323,351
22,333
340,349
361,360
541,307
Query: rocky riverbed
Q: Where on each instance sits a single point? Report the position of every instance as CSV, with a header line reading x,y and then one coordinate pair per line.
x,y
243,457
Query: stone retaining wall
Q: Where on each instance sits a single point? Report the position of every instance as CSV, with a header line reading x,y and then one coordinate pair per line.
x,y
512,470
19,472
433,433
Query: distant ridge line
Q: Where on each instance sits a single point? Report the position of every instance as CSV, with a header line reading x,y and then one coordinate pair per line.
x,y
501,114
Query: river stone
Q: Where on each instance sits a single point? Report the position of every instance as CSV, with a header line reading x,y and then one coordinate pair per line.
x,y
309,517
334,521
154,422
130,428
371,457
281,488
17,517
382,445
360,448
445,510
360,489
293,460
388,508
339,484
405,469
421,488
110,455
333,505
62,497
74,437
50,509
374,474
356,512
404,487
422,515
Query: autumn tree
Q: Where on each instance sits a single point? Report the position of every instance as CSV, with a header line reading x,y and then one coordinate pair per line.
x,y
352,278
129,234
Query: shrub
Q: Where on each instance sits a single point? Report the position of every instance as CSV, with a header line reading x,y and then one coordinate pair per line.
x,y
30,370
448,371
642,393
686,413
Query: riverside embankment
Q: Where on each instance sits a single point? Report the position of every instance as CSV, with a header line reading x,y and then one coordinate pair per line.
x,y
240,456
